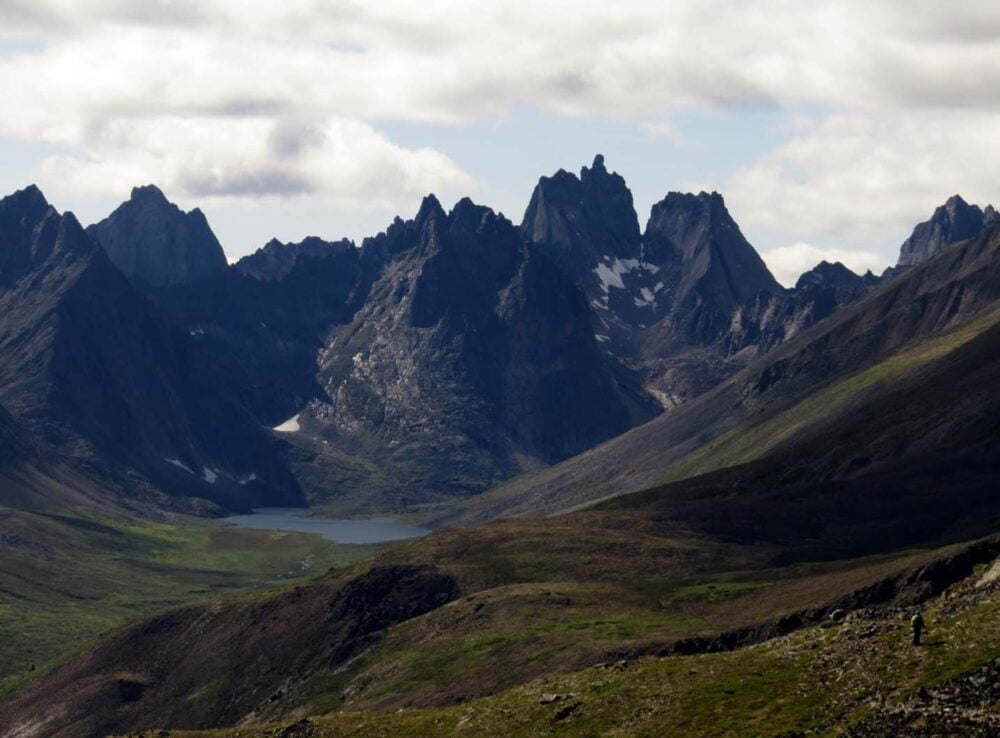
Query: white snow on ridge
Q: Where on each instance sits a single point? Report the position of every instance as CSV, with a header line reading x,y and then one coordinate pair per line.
x,y
289,426
246,480
610,271
210,475
179,463
647,298
601,338
609,276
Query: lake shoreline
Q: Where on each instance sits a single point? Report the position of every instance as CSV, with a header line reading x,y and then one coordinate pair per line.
x,y
339,530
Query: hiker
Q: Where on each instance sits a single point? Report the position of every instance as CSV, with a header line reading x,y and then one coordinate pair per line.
x,y
917,623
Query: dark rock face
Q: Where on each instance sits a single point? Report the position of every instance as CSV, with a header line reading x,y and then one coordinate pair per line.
x,y
151,239
277,260
446,353
583,220
705,264
472,355
454,348
682,303
92,369
588,226
772,318
954,221
268,316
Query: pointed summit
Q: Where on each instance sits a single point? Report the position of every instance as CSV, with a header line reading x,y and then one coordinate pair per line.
x,y
152,239
582,221
30,196
695,237
149,193
26,207
430,208
954,221
826,274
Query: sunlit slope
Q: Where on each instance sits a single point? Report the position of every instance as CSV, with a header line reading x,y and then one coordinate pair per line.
x,y
857,677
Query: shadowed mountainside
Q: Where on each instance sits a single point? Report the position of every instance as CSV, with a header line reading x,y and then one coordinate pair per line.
x,y
93,370
932,298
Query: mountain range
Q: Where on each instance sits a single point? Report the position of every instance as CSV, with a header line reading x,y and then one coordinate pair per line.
x,y
635,444
435,361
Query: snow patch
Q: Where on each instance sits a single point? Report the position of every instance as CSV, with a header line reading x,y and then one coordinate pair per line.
x,y
610,271
179,463
601,338
647,298
209,475
246,480
609,276
289,426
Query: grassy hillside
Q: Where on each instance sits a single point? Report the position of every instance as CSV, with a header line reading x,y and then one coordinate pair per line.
x,y
66,578
756,438
857,677
453,617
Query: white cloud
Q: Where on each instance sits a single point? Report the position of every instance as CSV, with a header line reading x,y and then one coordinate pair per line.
x,y
128,87
343,161
788,263
869,178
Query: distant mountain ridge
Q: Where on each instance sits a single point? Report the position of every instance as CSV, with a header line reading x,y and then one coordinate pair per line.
x,y
452,349
96,372
954,221
151,239
491,369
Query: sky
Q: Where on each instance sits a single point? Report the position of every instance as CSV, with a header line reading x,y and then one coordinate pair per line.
x,y
831,128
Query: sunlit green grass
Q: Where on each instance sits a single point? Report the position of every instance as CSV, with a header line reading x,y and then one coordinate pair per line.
x,y
66,578
820,679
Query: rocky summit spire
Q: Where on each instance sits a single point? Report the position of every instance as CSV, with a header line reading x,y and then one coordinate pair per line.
x,y
582,221
700,249
954,221
151,239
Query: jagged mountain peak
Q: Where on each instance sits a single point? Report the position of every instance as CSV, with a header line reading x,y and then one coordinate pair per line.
x,y
30,197
955,220
152,239
696,235
276,260
955,202
828,274
582,221
32,231
430,208
150,193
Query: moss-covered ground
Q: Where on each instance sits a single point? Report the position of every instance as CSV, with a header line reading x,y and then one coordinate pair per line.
x,y
67,577
820,679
